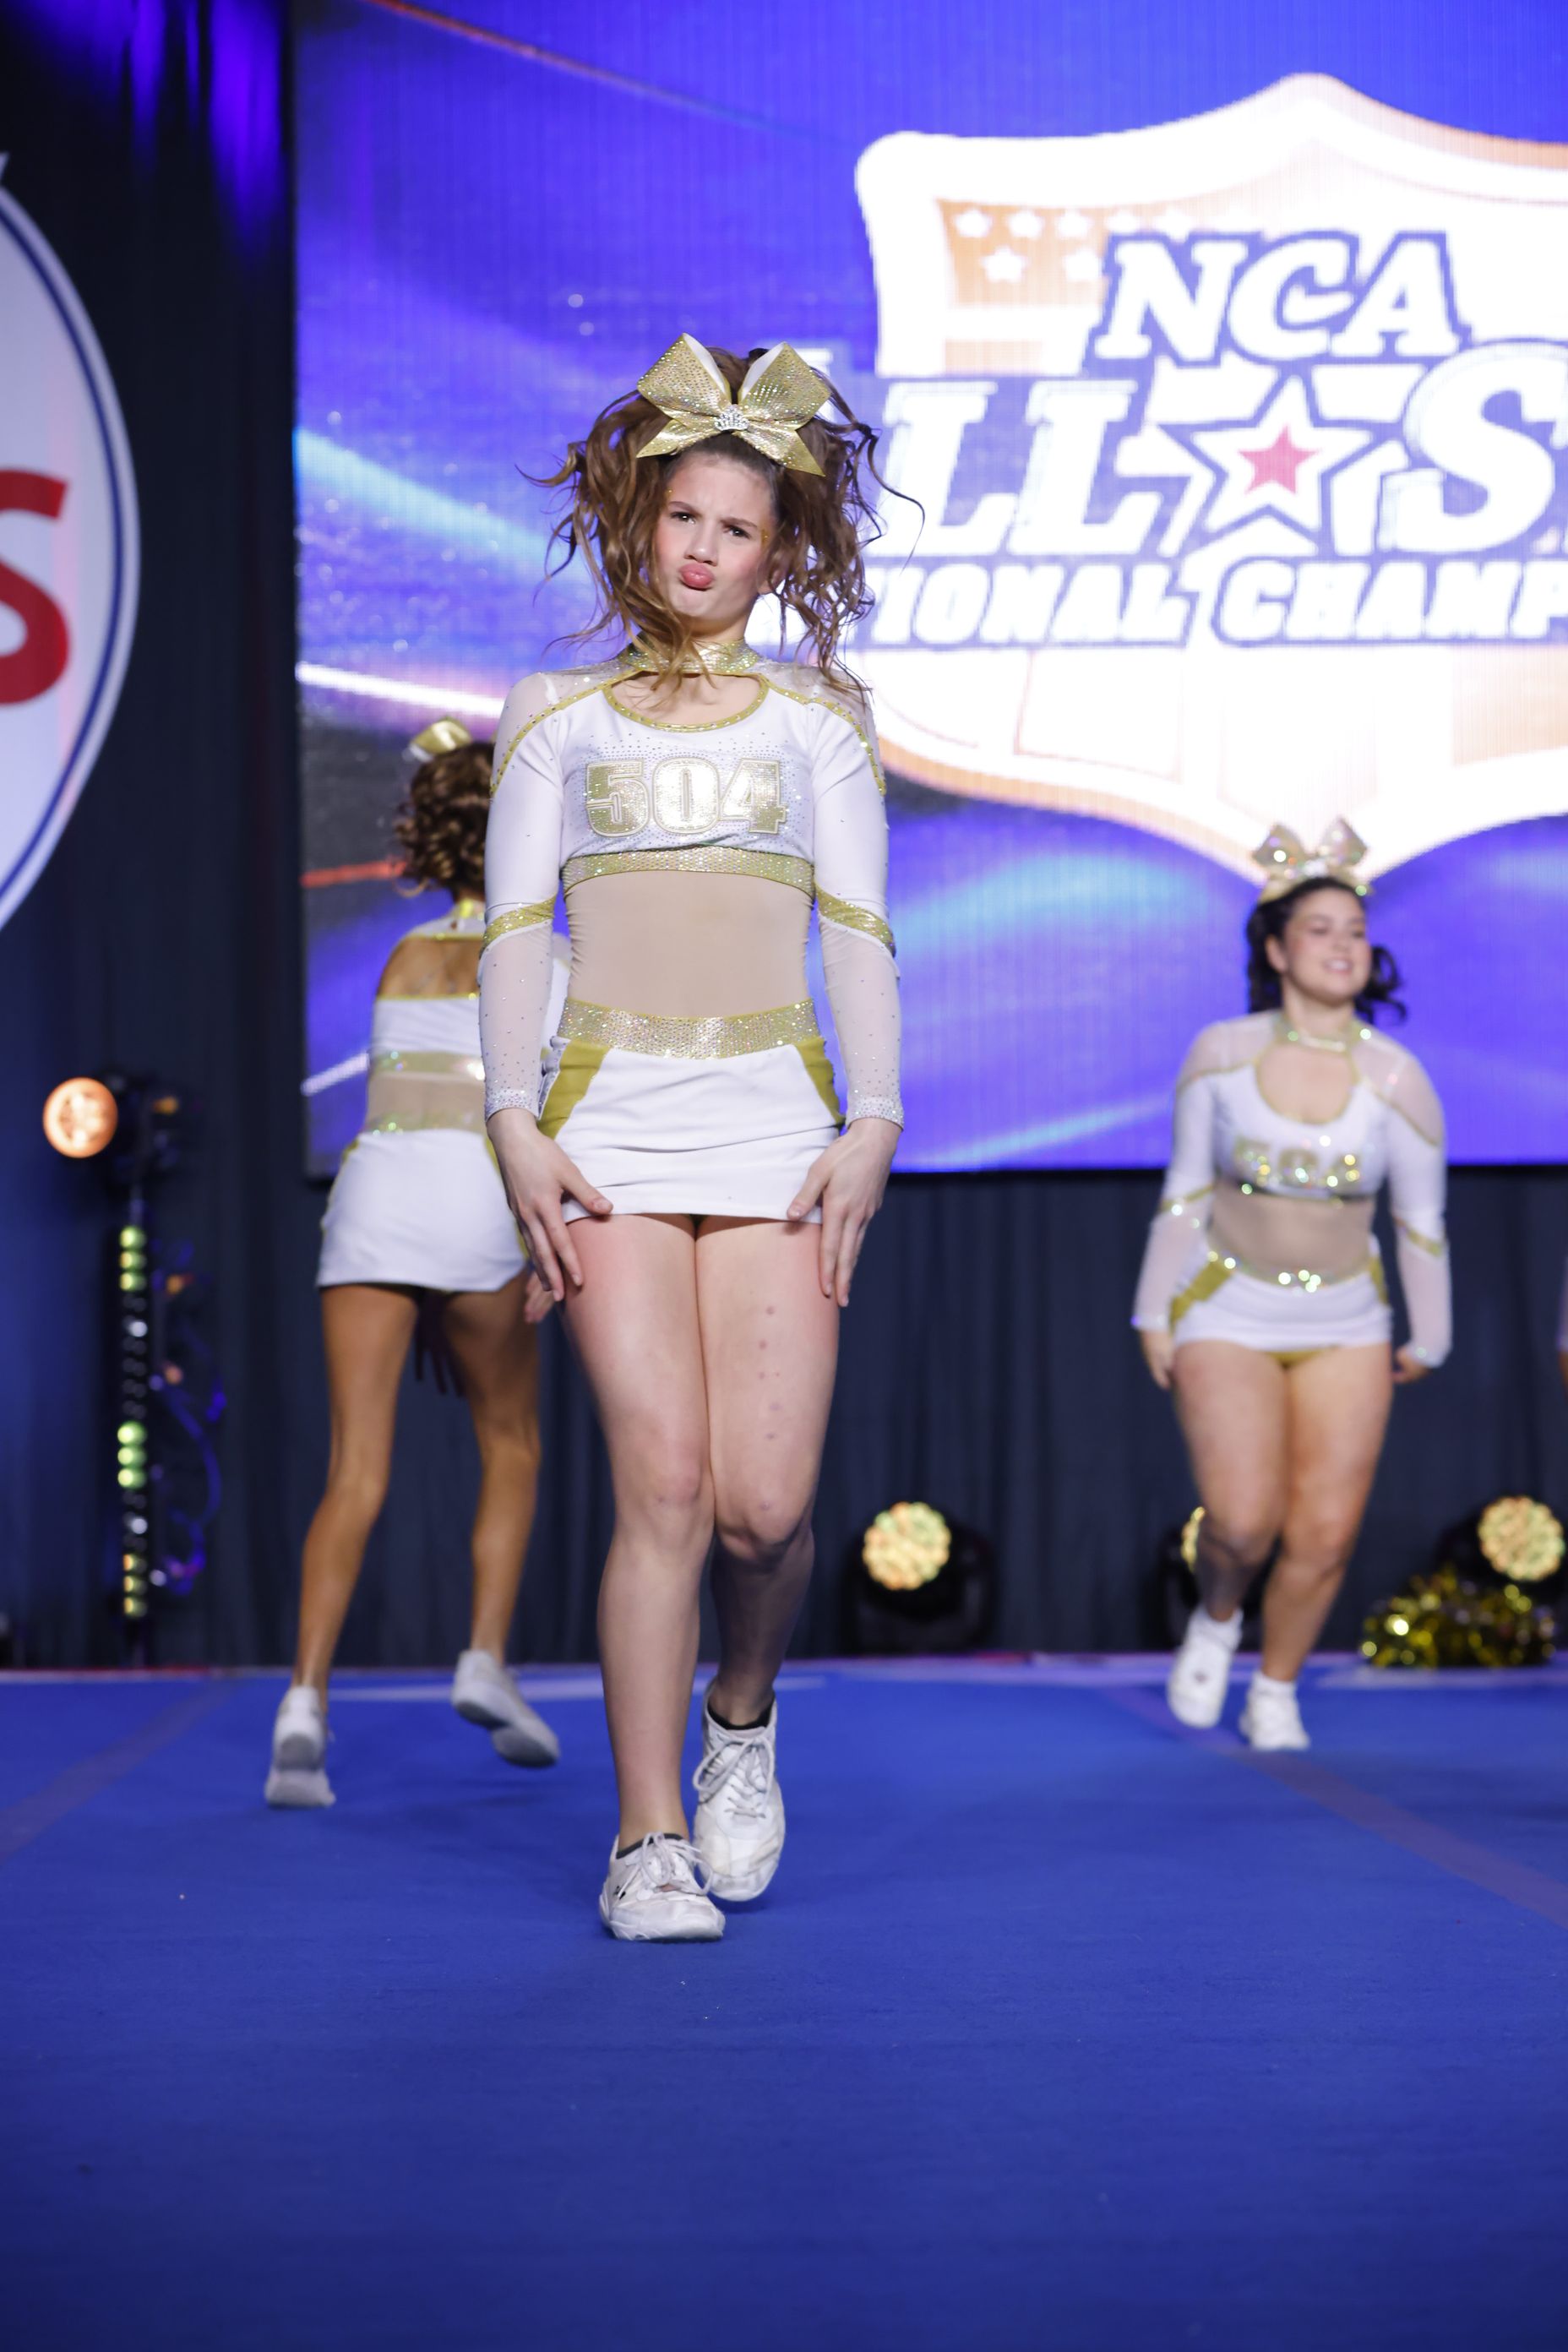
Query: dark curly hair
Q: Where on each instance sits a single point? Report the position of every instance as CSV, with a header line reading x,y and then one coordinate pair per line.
x,y
440,828
825,521
1268,921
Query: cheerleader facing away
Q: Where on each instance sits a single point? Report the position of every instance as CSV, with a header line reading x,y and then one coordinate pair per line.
x,y
684,1186
1262,1303
418,1226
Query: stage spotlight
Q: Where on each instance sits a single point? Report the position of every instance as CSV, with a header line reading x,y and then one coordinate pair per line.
x,y
80,1116
917,1581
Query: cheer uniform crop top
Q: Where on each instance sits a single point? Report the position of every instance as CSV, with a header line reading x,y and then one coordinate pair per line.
x,y
690,856
1273,1206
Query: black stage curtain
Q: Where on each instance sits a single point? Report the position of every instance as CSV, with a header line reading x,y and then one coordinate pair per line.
x,y
987,1365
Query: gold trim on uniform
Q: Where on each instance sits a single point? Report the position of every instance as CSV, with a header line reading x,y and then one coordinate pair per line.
x,y
827,702
763,865
692,727
698,1037
1423,1241
733,660
1218,1268
854,919
521,919
564,703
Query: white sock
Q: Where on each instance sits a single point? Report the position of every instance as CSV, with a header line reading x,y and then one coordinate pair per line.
x,y
1268,1682
1227,1628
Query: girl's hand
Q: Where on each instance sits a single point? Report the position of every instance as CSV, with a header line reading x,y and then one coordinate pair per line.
x,y
849,1179
537,1175
1159,1354
1408,1366
537,1301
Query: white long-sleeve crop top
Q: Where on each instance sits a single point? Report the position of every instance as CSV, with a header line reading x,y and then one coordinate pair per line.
x,y
1290,1200
690,856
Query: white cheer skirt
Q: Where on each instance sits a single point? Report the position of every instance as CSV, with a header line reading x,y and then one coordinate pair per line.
x,y
425,1210
1284,1320
720,1131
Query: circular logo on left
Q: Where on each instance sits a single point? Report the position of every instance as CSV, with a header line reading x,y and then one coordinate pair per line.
x,y
68,552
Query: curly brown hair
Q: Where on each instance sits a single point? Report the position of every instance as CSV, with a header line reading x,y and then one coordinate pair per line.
x,y
1268,921
825,521
440,828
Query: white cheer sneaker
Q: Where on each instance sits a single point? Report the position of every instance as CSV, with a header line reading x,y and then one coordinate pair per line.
x,y
739,1824
300,1739
1271,1718
1200,1671
656,1894
484,1693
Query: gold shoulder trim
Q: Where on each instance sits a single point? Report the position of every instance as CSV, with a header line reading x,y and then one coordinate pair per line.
x,y
854,919
825,700
565,702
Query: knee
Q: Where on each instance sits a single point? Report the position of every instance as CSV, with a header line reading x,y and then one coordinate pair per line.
x,y
1238,1539
761,1533
671,1493
357,1488
1318,1546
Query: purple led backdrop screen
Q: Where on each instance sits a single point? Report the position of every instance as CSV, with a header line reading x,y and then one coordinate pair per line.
x,y
1232,379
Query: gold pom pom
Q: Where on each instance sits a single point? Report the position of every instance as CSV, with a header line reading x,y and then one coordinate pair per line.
x,y
1520,1539
907,1547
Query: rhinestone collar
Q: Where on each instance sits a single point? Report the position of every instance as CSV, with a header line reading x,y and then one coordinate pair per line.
x,y
733,660
1292,1036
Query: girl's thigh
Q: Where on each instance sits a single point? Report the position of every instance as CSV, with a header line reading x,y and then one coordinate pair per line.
x,y
497,1351
1339,1404
1233,1411
366,1328
770,1347
634,1325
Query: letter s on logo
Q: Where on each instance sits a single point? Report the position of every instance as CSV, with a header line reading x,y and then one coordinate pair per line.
x,y
40,658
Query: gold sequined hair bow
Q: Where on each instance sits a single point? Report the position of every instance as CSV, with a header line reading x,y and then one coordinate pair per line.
x,y
1287,861
778,396
441,735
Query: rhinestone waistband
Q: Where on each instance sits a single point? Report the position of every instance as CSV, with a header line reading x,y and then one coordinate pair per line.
x,y
761,865
695,1037
1284,1278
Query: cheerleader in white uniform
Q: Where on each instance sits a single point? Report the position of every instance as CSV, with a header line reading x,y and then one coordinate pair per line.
x,y
684,1184
418,1217
1262,1301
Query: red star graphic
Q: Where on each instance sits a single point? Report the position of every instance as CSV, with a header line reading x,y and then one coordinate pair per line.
x,y
1277,463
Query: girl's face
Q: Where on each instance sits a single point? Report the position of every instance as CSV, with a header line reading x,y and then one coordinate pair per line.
x,y
1323,950
710,544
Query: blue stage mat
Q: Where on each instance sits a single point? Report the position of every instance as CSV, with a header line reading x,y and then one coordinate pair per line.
x,y
1060,2031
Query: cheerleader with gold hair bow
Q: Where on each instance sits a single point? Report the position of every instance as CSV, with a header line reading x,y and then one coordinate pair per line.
x,y
682,1178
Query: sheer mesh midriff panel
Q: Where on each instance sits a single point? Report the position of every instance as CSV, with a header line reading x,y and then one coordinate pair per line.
x,y
688,943
1326,1237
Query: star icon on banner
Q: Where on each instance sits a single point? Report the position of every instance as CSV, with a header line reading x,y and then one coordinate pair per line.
x,y
1004,267
1277,464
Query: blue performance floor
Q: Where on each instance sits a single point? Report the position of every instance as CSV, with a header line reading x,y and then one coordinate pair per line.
x,y
1060,2031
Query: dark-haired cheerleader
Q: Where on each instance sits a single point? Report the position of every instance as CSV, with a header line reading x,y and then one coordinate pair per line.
x,y
684,1185
418,1217
1262,1302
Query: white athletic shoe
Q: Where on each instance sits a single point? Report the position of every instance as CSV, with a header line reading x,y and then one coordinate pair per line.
x,y
656,1894
485,1694
1200,1671
739,1824
299,1738
1271,1718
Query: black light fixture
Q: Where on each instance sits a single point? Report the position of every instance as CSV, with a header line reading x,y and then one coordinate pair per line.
x,y
916,1583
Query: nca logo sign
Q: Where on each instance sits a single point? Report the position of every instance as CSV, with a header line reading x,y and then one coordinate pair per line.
x,y
67,551
1242,445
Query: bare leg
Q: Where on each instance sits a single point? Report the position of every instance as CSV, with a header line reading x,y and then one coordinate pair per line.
x,y
1233,1407
497,1353
1338,1404
367,1330
770,1349
634,1325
